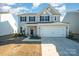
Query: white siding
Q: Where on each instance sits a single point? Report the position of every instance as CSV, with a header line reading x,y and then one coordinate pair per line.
x,y
45,13
8,24
73,19
52,17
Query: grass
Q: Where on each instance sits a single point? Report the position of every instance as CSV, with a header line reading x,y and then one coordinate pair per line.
x,y
16,47
74,37
20,50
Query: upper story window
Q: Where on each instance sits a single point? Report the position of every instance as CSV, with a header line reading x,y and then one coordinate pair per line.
x,y
23,19
44,18
31,18
41,18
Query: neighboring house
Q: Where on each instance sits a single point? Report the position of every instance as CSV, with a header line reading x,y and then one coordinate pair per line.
x,y
72,17
44,24
8,23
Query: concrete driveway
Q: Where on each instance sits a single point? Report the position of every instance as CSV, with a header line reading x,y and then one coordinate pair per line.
x,y
59,47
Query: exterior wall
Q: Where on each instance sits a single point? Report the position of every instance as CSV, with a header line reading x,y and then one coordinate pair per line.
x,y
52,16
45,13
37,18
8,24
73,19
51,25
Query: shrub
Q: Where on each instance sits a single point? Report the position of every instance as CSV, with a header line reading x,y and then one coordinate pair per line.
x,y
71,35
35,37
18,35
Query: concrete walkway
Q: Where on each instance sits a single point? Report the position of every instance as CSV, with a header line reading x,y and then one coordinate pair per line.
x,y
59,47
27,39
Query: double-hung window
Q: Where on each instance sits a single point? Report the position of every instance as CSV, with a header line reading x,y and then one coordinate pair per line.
x,y
41,18
31,18
23,19
44,18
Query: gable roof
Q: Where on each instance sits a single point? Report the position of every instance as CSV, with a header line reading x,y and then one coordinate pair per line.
x,y
51,9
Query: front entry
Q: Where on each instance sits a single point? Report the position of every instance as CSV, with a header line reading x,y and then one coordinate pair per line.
x,y
31,32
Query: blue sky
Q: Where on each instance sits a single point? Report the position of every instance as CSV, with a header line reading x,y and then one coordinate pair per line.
x,y
18,8
29,7
69,6
72,6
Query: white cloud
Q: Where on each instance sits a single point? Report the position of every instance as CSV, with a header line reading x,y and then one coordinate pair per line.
x,y
34,5
56,4
6,7
19,10
61,8
11,3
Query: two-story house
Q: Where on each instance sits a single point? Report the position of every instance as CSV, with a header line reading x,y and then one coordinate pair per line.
x,y
72,17
46,23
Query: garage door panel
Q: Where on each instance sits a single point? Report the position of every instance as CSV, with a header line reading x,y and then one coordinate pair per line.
x,y
52,31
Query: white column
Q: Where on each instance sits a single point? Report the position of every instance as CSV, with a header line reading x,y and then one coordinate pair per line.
x,y
25,28
38,30
28,30
68,29
18,25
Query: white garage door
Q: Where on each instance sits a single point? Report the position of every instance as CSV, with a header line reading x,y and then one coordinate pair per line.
x,y
53,31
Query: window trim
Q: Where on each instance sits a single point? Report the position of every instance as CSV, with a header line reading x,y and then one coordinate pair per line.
x,y
44,19
30,19
23,18
41,18
47,19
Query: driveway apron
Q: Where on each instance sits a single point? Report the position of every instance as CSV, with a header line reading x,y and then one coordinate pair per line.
x,y
59,47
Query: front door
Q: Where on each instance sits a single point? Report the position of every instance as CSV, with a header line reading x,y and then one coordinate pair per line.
x,y
31,32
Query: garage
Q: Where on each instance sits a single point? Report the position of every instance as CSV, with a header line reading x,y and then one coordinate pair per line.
x,y
53,31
